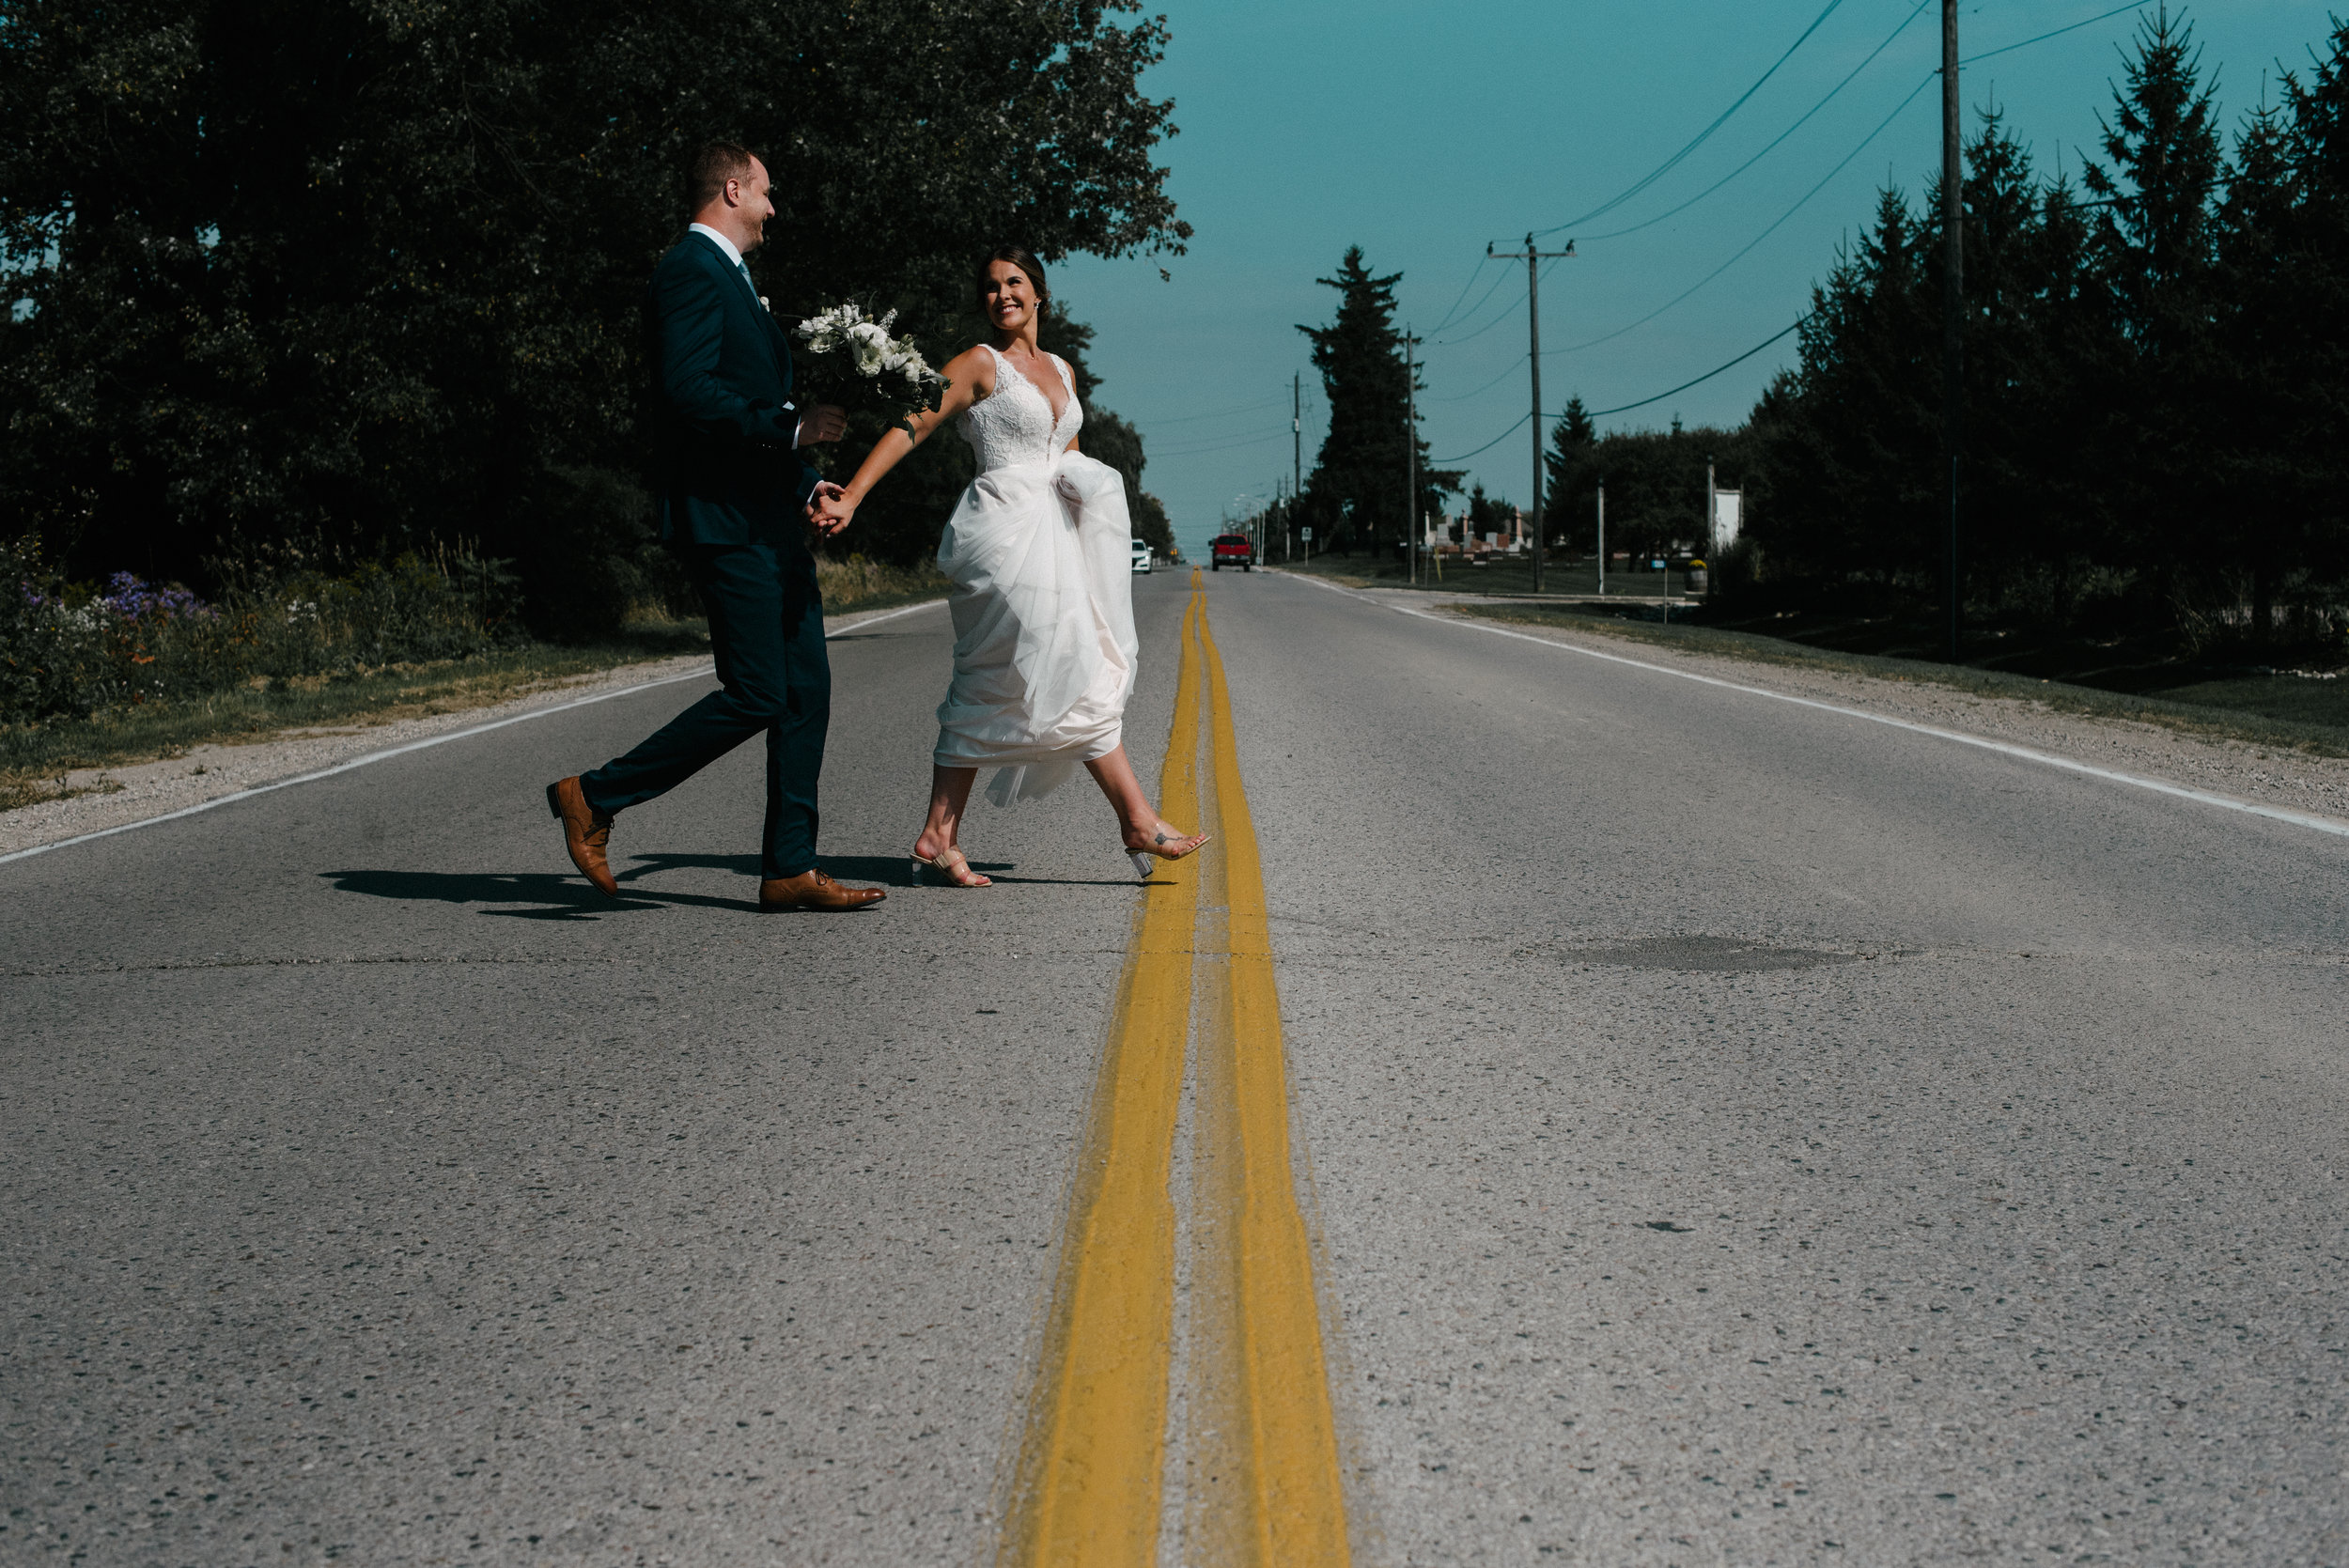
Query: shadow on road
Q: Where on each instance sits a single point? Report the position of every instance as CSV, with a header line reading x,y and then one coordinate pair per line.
x,y
889,870
557,897
894,871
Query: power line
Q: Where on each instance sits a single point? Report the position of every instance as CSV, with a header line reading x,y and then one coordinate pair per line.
x,y
1463,397
1474,309
1476,273
1222,446
1617,234
1495,441
1774,337
2074,27
1469,337
1195,418
1627,407
1449,342
1887,120
1670,163
1929,78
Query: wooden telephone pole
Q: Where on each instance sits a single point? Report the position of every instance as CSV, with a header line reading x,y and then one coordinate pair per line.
x,y
1953,307
1533,260
1410,453
1297,456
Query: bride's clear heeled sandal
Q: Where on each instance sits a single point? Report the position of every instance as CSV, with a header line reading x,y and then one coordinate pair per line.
x,y
1146,861
952,865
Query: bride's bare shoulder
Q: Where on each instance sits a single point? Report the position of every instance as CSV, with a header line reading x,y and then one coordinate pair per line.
x,y
973,367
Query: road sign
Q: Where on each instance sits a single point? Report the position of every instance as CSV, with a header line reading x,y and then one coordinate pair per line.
x,y
1728,517
1307,533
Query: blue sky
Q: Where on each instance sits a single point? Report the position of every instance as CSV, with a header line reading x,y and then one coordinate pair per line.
x,y
1421,132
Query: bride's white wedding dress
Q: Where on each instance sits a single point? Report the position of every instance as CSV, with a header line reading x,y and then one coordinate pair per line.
x,y
1039,550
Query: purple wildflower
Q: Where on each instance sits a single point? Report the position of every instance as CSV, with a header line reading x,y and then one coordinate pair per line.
x,y
133,599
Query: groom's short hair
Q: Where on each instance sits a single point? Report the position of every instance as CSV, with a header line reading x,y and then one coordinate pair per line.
x,y
713,165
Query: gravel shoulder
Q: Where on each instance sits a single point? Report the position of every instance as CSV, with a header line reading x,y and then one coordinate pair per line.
x,y
2266,775
98,798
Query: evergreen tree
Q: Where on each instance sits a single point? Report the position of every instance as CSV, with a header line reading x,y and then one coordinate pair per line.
x,y
2156,381
2154,243
1487,516
1358,480
2156,230
2315,300
1571,474
1855,449
2065,449
2255,416
2029,425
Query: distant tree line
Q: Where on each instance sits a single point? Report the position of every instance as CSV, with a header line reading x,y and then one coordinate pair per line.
x,y
2155,372
296,285
1655,482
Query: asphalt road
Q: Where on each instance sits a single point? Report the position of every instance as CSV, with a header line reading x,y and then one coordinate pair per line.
x,y
1731,1133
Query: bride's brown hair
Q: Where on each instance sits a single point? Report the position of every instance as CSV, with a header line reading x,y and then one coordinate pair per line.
x,y
1021,257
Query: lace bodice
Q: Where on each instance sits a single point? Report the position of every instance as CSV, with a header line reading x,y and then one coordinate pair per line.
x,y
1014,424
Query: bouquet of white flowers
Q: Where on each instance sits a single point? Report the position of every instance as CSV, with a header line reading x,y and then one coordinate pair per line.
x,y
872,369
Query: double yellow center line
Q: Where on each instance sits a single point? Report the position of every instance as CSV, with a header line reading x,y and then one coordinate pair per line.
x,y
1260,1474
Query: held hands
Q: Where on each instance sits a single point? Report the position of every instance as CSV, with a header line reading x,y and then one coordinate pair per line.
x,y
823,422
829,509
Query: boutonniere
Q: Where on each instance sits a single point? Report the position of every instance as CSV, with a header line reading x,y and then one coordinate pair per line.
x,y
764,307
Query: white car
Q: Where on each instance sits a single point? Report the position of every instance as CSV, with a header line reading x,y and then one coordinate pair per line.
x,y
1141,556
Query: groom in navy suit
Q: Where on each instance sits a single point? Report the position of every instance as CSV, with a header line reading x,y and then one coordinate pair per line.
x,y
734,496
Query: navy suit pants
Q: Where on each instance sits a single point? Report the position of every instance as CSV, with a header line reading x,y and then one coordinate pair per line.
x,y
767,627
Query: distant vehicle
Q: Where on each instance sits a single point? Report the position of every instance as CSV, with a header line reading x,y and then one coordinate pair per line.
x,y
1232,549
1141,556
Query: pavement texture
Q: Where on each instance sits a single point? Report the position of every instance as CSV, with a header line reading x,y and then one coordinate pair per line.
x,y
1732,1132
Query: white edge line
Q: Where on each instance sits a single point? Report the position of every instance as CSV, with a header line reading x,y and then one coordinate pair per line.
x,y
700,672
2225,802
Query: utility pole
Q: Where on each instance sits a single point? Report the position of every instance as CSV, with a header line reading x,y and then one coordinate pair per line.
x,y
1297,452
1952,302
1602,537
1411,452
1533,260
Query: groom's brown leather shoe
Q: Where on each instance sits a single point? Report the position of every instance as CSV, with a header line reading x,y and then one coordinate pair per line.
x,y
586,833
812,890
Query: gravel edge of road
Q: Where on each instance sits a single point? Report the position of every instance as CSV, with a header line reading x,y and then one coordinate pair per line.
x,y
2262,774
146,791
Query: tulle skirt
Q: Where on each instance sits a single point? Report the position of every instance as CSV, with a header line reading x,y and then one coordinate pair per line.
x,y
1040,556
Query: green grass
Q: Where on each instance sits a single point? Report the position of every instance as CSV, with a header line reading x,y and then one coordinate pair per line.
x,y
35,759
2285,712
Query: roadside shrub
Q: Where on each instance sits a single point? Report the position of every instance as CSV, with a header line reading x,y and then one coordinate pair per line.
x,y
856,580
69,652
1737,573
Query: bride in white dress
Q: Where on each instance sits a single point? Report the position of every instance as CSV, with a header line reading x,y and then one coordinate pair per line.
x,y
1039,552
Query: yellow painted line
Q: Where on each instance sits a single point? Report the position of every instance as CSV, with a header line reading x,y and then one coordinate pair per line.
x,y
1094,1455
1294,1493
1265,1488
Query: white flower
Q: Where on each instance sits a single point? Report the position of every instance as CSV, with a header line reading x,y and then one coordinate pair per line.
x,y
873,351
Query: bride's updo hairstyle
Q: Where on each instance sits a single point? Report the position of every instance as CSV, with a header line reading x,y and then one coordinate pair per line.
x,y
1021,257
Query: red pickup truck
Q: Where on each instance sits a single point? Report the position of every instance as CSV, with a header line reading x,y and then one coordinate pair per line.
x,y
1232,549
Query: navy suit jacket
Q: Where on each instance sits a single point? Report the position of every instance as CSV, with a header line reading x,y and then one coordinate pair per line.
x,y
726,472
